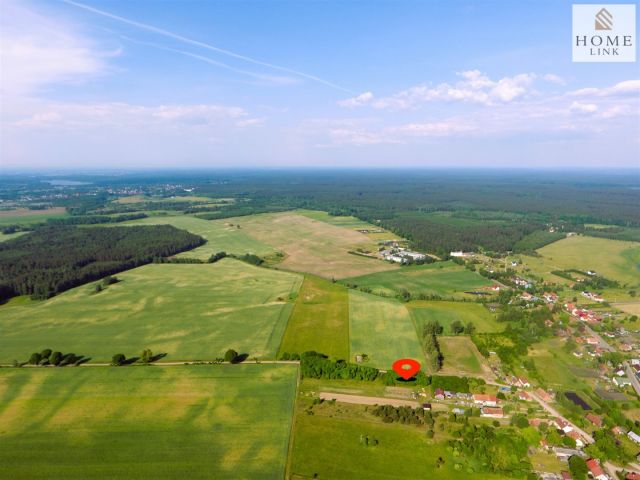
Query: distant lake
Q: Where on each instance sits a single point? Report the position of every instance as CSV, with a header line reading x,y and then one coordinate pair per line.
x,y
65,183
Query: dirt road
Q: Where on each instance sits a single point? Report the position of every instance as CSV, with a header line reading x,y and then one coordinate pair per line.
x,y
364,400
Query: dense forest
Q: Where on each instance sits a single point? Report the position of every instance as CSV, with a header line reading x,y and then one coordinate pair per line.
x,y
53,259
438,210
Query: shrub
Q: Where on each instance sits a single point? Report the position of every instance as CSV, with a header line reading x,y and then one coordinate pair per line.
x,y
118,359
230,356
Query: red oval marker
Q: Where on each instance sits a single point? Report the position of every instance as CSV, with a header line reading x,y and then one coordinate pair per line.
x,y
406,367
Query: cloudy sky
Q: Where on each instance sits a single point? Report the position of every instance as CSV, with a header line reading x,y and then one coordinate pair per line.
x,y
146,83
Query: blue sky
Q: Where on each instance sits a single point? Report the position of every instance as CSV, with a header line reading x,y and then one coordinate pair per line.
x,y
308,83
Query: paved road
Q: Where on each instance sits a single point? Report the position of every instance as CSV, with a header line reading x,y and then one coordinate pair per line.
x,y
602,344
555,413
364,400
634,380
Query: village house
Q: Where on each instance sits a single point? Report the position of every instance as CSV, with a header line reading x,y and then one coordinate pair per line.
x,y
460,254
593,296
524,396
492,412
625,347
577,437
621,381
595,419
565,475
633,436
485,400
426,407
438,394
596,470
562,424
546,397
618,430
565,453
632,476
550,297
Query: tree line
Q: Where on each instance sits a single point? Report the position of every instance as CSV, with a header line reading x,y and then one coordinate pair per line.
x,y
53,259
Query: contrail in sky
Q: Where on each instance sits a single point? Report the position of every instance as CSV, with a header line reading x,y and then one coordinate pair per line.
x,y
175,36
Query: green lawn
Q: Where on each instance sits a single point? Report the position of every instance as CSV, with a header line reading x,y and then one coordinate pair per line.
x,y
381,328
196,422
614,259
319,320
441,278
448,312
331,448
188,311
220,236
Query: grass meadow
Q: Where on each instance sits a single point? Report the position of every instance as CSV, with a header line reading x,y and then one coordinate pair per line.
x,y
196,422
461,357
403,451
188,311
24,216
220,236
614,259
381,328
441,278
448,312
319,320
313,246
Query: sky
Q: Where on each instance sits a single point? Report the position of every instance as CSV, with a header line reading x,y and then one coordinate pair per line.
x,y
255,83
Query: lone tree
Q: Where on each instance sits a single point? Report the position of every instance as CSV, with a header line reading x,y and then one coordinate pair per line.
x,y
231,356
457,327
578,467
147,356
118,359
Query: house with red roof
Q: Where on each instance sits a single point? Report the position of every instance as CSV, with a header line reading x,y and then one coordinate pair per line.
x,y
596,470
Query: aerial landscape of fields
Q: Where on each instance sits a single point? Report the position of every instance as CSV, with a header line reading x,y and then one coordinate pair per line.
x,y
330,240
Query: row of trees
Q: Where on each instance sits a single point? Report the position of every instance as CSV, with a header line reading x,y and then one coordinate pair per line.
x,y
430,331
317,365
404,415
56,358
53,259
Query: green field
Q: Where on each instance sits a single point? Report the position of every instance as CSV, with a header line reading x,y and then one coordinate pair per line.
x,y
319,320
461,357
219,234
313,246
381,328
9,236
331,448
614,259
196,422
441,278
24,216
448,312
188,311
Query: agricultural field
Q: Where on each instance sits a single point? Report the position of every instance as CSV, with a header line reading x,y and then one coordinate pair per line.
x,y
381,328
557,368
313,246
352,223
446,279
613,259
188,311
319,320
448,312
461,357
221,235
632,308
402,452
24,216
229,421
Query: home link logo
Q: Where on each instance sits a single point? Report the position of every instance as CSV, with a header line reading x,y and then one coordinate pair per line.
x,y
604,33
604,20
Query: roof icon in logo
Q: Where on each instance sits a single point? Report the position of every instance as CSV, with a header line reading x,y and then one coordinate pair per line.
x,y
604,20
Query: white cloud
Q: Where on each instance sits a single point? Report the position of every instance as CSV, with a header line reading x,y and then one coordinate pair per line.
x,y
628,87
475,87
38,50
583,107
433,129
